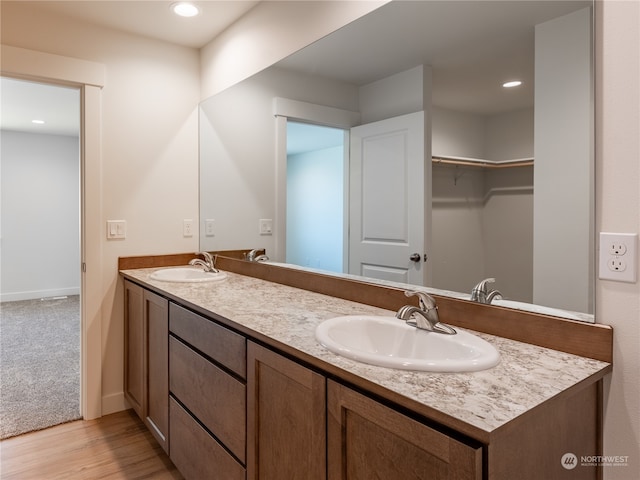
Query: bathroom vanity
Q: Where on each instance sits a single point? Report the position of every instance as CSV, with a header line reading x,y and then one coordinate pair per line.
x,y
230,379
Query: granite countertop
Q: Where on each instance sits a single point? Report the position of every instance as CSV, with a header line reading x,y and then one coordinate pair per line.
x,y
526,376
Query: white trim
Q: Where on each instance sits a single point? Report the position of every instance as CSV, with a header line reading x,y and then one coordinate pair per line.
x,y
36,294
285,109
90,77
280,223
113,403
23,63
318,114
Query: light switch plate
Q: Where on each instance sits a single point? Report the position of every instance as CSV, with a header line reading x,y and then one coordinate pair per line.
x,y
210,227
265,226
116,229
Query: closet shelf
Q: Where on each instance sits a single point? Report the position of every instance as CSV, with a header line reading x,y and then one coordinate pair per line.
x,y
475,162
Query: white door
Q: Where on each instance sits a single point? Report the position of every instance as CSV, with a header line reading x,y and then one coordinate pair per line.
x,y
387,200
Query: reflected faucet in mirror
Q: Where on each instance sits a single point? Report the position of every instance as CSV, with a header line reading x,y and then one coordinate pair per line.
x,y
255,256
481,293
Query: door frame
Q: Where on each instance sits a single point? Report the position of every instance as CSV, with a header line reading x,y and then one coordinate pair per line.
x,y
284,110
89,77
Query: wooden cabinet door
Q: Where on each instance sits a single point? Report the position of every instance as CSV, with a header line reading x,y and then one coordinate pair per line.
x,y
286,418
135,379
368,440
156,317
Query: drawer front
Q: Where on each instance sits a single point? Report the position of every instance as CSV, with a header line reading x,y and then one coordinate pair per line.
x,y
196,453
221,344
216,398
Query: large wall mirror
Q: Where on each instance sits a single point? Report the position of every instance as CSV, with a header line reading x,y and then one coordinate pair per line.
x,y
295,158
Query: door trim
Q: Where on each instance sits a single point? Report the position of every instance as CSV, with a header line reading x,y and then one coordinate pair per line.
x,y
285,109
89,77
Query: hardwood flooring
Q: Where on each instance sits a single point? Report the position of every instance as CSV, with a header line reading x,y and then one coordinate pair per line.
x,y
116,446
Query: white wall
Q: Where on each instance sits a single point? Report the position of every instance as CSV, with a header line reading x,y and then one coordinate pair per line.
x,y
270,32
507,230
40,215
563,163
247,161
483,227
457,260
149,167
483,218
315,208
503,136
458,134
618,210
509,136
398,94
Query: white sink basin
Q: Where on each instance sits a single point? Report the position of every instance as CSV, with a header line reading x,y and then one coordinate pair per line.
x,y
187,275
389,342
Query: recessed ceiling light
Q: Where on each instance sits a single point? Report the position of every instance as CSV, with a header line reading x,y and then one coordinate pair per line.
x,y
38,122
515,83
185,9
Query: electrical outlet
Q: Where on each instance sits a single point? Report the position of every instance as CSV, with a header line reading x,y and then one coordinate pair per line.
x,y
618,254
616,264
617,248
187,228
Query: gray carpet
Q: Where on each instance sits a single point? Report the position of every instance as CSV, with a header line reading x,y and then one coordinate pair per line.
x,y
39,364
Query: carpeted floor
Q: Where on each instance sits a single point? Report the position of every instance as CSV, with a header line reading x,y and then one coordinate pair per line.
x,y
39,364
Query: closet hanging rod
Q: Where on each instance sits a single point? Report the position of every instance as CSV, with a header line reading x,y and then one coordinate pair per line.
x,y
472,162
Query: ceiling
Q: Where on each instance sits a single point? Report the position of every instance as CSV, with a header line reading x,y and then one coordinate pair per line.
x,y
153,18
473,46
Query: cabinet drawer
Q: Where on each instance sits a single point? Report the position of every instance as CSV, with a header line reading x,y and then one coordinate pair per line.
x,y
221,344
216,398
196,453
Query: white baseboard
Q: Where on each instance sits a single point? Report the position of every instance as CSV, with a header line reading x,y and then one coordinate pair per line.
x,y
114,403
35,294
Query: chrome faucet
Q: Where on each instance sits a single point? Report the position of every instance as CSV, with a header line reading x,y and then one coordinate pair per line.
x,y
481,293
208,264
253,256
425,317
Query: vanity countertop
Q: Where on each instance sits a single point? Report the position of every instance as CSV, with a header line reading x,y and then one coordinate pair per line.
x,y
526,376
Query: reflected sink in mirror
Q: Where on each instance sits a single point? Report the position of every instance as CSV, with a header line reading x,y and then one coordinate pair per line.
x,y
389,342
187,275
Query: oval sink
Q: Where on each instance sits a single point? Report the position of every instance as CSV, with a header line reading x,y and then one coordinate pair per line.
x,y
187,275
389,342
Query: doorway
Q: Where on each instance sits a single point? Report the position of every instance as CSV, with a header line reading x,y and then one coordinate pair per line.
x,y
40,264
317,159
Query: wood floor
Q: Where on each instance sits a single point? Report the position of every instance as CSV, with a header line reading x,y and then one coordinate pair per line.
x,y
116,446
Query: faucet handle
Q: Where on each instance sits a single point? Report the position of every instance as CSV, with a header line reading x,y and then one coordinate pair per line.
x,y
427,302
207,256
210,261
483,284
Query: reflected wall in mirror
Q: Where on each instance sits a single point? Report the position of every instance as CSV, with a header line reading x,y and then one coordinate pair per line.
x,y
509,192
